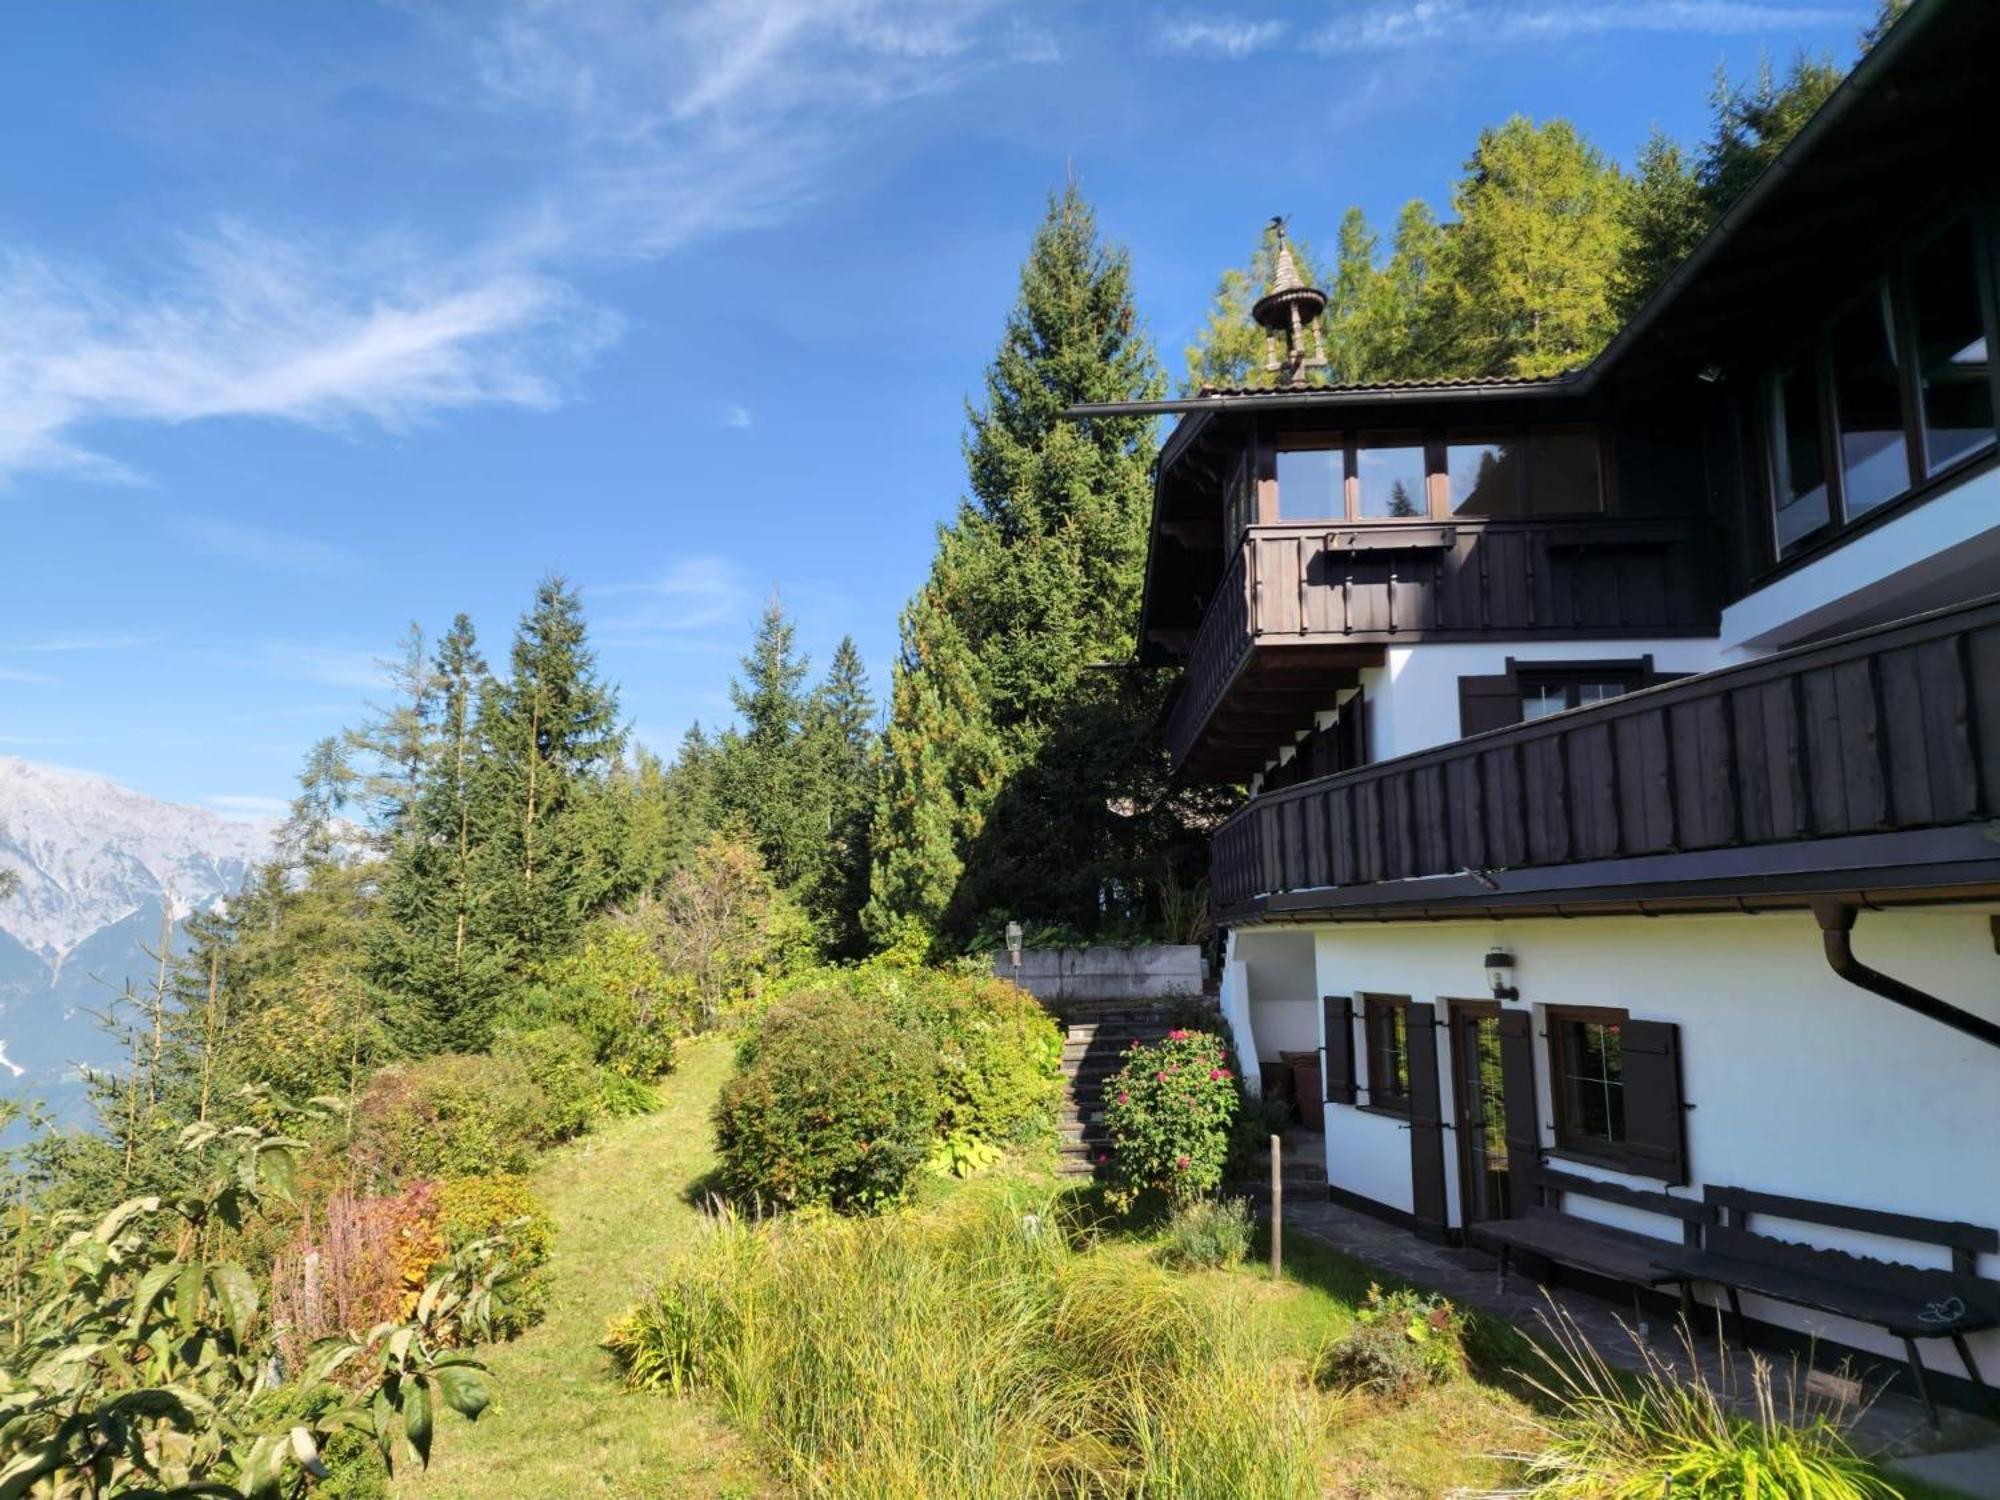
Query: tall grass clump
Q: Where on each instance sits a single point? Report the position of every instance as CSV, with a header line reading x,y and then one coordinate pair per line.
x,y
981,1349
1665,1433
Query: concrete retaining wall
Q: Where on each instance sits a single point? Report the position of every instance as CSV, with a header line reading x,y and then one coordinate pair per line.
x,y
1105,973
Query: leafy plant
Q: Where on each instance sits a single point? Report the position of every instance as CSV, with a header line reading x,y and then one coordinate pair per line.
x,y
455,1115
1169,1111
616,993
560,1062
832,1103
1402,1340
147,1367
1207,1233
962,1154
502,1212
1671,1434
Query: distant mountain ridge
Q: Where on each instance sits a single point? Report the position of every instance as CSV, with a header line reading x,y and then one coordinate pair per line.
x,y
100,867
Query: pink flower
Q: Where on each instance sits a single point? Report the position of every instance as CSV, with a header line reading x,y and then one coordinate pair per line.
x,y
1103,1156
1124,1098
1215,1075
1160,1077
1180,1164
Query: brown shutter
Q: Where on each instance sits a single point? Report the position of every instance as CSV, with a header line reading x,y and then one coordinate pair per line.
x,y
1426,1120
1336,1063
1488,703
1655,1123
1522,1108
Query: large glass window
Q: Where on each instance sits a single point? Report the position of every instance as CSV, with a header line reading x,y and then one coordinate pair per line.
x,y
1953,362
1311,486
1563,476
1868,404
1386,1022
1804,503
1485,478
1392,481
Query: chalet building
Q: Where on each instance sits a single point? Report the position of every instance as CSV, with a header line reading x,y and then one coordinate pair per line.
x,y
1623,750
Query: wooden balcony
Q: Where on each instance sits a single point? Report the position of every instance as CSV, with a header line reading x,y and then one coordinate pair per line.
x,y
1302,607
1868,764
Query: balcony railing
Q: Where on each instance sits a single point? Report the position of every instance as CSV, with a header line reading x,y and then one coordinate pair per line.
x,y
1887,731
1384,582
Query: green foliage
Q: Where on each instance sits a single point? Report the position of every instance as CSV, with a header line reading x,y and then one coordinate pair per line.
x,y
1682,1434
984,1349
721,928
1207,1233
559,1062
832,1103
455,1115
1169,1111
616,993
1666,213
1017,780
1402,1341
141,1368
501,1211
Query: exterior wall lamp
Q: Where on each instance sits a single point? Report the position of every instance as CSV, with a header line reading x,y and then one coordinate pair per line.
x,y
1014,944
1499,971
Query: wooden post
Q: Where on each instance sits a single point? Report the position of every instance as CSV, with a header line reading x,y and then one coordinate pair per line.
x,y
1277,1208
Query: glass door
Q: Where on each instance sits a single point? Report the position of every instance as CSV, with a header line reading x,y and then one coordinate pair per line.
x,y
1480,1110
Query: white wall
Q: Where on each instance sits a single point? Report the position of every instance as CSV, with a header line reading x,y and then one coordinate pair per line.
x,y
1802,1084
1284,1001
1947,534
1413,697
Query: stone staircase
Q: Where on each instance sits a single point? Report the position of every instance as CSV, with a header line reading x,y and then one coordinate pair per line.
x,y
1095,1038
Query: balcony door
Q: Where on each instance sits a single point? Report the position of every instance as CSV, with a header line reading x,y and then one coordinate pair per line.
x,y
1479,1106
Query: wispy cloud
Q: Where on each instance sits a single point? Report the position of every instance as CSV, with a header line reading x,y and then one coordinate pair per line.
x,y
1216,36
333,666
16,674
737,416
248,807
676,607
245,324
277,551
1389,27
48,644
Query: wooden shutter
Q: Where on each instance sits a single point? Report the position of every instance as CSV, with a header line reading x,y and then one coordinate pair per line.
x,y
1522,1108
1488,703
1655,1122
1336,1063
1426,1120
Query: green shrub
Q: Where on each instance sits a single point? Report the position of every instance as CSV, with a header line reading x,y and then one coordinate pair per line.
x,y
453,1115
832,1103
1402,1341
622,1097
559,1060
1170,1111
999,1053
1679,1434
979,1350
618,996
1207,1233
502,1209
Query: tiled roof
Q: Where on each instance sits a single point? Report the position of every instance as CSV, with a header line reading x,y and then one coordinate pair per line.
x,y
1362,388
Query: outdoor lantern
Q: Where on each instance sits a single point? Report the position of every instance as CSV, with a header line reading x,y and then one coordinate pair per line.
x,y
1014,944
1499,973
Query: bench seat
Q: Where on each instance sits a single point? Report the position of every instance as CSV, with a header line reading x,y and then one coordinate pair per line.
x,y
1906,1302
1602,1249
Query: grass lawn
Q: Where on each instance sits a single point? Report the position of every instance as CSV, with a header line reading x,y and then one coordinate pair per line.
x,y
561,1426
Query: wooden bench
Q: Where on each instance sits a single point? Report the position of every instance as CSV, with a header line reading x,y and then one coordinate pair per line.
x,y
1906,1301
1544,1231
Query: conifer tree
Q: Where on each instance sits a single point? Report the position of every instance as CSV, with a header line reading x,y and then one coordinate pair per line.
x,y
548,731
1757,120
1035,583
840,737
1665,215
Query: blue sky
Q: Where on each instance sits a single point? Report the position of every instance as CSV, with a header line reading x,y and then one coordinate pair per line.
x,y
320,318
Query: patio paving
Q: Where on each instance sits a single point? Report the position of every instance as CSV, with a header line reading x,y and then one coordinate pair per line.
x,y
1964,1456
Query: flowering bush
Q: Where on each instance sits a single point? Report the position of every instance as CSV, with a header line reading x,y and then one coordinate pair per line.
x,y
1402,1340
1169,1111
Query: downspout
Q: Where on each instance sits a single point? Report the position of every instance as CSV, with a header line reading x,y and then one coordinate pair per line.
x,y
1836,925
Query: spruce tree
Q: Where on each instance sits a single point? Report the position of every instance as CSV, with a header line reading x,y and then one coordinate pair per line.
x,y
1035,586
1666,214
548,733
839,736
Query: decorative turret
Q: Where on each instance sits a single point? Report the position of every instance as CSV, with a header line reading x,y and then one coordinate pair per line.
x,y
1290,307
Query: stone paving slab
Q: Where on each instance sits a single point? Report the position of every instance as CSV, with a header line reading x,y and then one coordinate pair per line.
x,y
1893,1426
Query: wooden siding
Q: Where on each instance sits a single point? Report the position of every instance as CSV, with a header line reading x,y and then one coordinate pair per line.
x,y
1376,583
1895,728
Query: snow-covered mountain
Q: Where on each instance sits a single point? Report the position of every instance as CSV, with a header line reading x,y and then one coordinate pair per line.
x,y
100,866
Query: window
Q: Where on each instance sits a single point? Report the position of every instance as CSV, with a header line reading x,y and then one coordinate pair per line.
x,y
1563,475
1545,692
1484,479
1239,502
1386,1021
1392,481
1953,362
1587,1071
1804,502
1868,406
1311,484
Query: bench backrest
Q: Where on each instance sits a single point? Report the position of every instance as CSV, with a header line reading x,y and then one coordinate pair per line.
x,y
1560,1186
1734,1234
